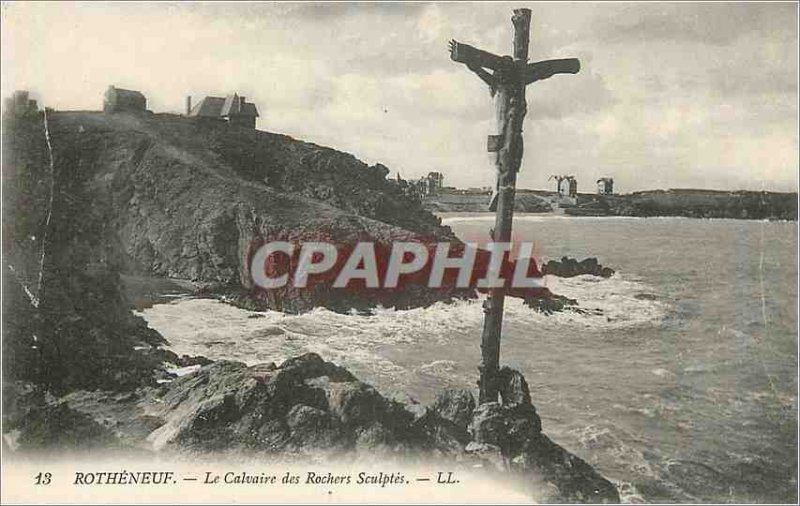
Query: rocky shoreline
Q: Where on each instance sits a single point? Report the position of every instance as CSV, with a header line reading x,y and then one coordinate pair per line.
x,y
307,407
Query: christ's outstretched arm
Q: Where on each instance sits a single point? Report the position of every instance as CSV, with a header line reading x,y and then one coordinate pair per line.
x,y
485,76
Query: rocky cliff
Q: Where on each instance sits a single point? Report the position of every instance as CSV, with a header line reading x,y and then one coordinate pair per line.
x,y
66,322
189,200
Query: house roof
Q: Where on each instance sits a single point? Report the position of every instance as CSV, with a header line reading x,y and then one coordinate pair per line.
x,y
249,109
209,107
114,93
231,105
122,91
218,107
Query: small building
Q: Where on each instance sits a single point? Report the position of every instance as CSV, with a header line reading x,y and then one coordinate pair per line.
x,y
435,181
605,186
120,100
566,190
19,104
566,186
430,184
573,187
233,109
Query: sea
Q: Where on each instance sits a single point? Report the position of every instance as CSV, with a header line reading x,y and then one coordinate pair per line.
x,y
679,382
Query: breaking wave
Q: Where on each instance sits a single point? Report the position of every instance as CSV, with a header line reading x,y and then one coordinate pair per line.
x,y
368,344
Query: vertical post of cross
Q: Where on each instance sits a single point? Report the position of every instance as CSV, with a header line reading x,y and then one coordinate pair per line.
x,y
511,110
508,81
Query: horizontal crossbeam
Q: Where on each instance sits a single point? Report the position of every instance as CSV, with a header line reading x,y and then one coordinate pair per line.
x,y
533,72
474,57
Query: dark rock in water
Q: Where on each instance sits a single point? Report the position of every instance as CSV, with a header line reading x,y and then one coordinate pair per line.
x,y
456,406
569,267
553,304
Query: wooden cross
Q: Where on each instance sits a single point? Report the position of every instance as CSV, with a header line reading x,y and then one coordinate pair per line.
x,y
508,79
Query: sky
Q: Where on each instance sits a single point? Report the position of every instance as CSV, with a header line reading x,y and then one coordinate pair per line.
x,y
692,95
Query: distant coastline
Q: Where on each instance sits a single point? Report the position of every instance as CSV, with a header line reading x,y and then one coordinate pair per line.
x,y
689,203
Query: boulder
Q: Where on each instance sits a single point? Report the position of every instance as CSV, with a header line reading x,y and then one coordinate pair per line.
x,y
522,428
507,427
455,405
356,403
486,455
312,427
513,387
488,424
311,365
59,427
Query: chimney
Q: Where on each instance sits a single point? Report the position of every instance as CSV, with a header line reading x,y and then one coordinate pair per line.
x,y
241,104
188,105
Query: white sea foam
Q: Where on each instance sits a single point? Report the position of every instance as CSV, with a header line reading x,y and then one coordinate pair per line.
x,y
437,367
219,331
603,440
